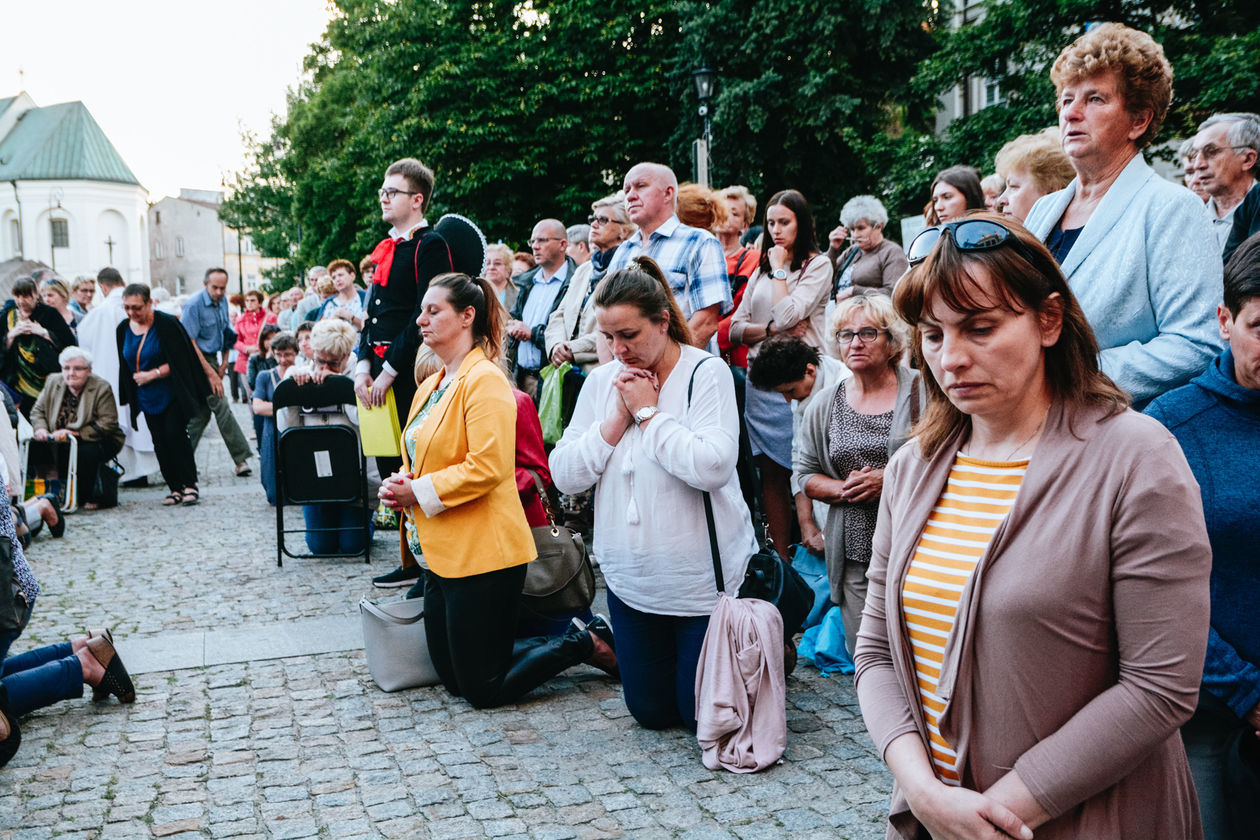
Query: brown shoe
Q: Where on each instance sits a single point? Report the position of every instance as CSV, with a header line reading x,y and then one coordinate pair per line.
x,y
116,680
100,692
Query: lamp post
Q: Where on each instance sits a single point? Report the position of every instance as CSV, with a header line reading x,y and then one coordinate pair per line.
x,y
704,78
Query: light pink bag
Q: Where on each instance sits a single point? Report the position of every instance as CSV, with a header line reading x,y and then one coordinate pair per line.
x,y
741,692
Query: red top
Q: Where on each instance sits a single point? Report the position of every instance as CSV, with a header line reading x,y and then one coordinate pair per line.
x,y
530,455
743,263
248,325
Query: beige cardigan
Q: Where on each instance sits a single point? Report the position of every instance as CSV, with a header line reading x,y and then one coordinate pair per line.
x,y
97,417
1081,636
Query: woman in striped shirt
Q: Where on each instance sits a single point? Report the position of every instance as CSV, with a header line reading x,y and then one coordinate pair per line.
x,y
1037,610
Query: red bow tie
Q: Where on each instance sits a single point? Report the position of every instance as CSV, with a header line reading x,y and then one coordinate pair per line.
x,y
383,256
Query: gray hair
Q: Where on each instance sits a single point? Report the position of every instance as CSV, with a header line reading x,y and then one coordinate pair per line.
x,y
863,208
75,352
1244,130
578,234
1183,153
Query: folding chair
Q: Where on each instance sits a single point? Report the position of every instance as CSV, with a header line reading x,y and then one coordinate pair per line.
x,y
66,488
318,459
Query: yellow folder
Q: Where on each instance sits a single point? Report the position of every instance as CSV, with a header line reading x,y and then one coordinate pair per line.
x,y
379,431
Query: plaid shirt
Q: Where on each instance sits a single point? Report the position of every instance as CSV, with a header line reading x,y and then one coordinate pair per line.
x,y
691,259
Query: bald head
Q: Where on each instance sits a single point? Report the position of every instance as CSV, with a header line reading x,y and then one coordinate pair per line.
x,y
548,243
651,192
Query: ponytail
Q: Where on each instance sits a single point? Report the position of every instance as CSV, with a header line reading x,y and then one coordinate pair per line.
x,y
642,285
463,292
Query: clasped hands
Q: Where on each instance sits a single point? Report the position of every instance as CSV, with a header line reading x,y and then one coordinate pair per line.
x,y
637,388
396,491
862,485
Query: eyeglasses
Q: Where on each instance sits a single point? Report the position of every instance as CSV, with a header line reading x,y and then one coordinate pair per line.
x,y
1210,152
967,234
599,220
540,240
866,335
388,193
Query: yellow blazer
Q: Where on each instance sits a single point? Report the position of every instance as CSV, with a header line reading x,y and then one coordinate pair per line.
x,y
467,447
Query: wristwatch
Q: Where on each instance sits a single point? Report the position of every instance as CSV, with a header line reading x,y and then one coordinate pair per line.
x,y
646,413
779,274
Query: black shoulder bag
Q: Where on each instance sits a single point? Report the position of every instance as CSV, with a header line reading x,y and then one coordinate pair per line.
x,y
768,577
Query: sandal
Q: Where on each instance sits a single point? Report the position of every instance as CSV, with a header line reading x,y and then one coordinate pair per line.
x,y
116,680
10,733
100,692
191,497
173,498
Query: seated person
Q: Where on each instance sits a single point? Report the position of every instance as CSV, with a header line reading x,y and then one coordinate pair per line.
x,y
283,353
76,403
331,345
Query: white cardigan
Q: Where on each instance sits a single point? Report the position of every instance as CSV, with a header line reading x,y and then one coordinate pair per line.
x,y
651,536
1147,271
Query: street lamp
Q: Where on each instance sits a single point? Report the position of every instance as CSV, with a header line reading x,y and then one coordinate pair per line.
x,y
704,78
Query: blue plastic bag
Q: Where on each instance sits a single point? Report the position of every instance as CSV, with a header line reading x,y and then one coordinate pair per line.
x,y
814,569
823,645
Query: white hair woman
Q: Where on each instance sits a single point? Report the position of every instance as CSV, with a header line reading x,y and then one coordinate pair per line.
x,y
76,403
872,264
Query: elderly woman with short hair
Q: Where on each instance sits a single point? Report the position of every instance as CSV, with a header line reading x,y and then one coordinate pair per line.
x,y
1033,165
872,264
76,403
498,271
1131,244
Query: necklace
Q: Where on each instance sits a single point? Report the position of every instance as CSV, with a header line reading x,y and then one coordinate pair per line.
x,y
1036,432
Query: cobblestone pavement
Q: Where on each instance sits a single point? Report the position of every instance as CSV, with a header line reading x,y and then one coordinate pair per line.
x,y
309,747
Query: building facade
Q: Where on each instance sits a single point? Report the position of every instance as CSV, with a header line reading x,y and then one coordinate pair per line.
x,y
67,198
187,238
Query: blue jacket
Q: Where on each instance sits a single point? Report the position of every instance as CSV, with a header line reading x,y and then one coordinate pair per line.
x,y
1147,273
1217,423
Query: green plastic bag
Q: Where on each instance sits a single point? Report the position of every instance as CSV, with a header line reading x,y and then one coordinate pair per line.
x,y
551,402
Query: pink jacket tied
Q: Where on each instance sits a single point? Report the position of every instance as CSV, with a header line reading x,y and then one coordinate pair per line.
x,y
741,695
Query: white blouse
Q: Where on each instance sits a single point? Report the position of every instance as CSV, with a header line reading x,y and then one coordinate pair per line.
x,y
651,537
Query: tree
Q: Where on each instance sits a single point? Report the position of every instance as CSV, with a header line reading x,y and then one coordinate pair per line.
x,y
813,95
1211,45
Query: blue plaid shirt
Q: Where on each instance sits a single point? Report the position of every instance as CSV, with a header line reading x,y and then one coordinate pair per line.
x,y
691,259
206,321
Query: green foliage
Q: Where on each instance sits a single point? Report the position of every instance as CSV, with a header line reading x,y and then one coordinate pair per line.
x,y
534,108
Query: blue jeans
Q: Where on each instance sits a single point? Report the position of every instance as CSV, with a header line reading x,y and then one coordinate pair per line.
x,y
350,519
658,656
40,677
1229,790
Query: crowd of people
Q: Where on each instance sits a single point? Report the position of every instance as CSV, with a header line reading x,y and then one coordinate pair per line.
x,y
1019,442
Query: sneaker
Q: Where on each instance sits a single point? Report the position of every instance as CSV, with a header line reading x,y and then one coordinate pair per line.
x,y
402,576
416,590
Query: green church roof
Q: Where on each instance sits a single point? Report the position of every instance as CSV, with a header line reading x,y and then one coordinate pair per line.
x,y
59,143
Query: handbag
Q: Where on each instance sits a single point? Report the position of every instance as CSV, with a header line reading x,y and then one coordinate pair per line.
x,y
396,645
13,607
108,475
561,582
768,578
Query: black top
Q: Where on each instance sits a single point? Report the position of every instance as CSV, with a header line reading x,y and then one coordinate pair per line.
x,y
392,308
188,378
60,336
1246,221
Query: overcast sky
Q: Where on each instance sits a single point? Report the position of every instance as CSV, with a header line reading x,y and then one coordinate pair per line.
x,y
170,81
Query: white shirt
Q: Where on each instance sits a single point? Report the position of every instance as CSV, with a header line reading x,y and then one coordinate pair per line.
x,y
651,535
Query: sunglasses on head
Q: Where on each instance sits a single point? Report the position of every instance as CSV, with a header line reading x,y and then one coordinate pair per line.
x,y
967,234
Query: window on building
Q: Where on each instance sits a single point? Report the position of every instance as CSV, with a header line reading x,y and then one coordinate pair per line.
x,y
179,285
249,244
158,251
15,237
157,217
60,233
992,93
179,246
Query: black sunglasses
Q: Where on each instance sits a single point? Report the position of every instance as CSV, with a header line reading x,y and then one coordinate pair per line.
x,y
967,234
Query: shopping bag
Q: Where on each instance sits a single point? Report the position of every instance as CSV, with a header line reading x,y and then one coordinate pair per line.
x,y
551,402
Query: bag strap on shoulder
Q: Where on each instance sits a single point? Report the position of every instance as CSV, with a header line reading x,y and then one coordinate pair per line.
x,y
718,577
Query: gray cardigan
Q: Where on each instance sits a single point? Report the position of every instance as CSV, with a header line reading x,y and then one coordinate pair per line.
x,y
811,459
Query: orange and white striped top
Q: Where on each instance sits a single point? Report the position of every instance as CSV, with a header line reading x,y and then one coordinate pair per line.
x,y
977,497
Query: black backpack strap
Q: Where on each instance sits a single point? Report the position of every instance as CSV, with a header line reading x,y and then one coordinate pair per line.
x,y
718,577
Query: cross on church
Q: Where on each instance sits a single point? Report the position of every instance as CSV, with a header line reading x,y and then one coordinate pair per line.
x,y
110,243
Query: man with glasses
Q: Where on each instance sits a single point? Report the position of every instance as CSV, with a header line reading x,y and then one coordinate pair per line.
x,y
540,291
570,334
1224,158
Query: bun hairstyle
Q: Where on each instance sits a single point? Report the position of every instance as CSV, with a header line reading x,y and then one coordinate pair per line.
x,y
463,291
642,285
